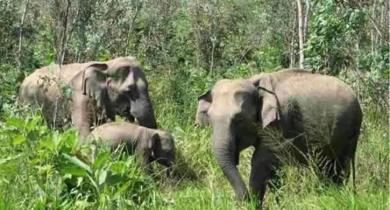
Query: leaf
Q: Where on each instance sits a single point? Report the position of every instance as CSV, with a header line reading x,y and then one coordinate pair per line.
x,y
101,159
33,136
5,160
114,179
94,184
118,167
77,162
82,204
47,143
19,139
102,177
32,124
122,189
74,170
16,122
69,139
3,133
56,138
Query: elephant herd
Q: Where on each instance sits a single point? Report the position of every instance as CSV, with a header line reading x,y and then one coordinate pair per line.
x,y
288,115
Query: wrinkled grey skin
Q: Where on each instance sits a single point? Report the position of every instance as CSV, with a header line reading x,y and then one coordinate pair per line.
x,y
78,92
202,118
148,144
128,91
100,90
310,112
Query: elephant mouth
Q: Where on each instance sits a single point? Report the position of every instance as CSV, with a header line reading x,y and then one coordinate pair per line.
x,y
165,162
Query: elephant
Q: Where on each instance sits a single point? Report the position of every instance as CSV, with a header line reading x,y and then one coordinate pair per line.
x,y
99,91
285,115
202,118
147,144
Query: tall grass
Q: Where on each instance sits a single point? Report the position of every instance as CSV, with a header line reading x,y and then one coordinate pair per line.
x,y
38,166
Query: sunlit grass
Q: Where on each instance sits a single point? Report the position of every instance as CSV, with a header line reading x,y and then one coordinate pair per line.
x,y
31,163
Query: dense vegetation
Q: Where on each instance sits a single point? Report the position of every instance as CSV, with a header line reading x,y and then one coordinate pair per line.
x,y
184,47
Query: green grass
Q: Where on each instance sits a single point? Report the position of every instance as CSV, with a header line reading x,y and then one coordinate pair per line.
x,y
33,167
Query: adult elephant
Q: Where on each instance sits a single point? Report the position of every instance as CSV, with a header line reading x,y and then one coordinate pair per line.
x,y
289,113
98,91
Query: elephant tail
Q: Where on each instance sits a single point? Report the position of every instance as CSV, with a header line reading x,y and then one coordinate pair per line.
x,y
352,153
354,141
353,174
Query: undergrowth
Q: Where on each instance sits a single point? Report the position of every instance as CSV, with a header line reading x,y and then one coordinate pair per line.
x,y
41,169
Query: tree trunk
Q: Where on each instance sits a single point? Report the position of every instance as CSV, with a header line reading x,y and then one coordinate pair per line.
x,y
292,53
21,32
21,73
306,21
300,34
293,29
63,42
373,37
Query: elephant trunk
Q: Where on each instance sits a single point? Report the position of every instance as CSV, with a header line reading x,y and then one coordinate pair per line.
x,y
225,150
142,110
169,169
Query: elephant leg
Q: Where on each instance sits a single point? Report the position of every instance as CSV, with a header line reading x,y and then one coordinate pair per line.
x,y
130,118
276,183
125,112
264,164
336,170
342,163
332,171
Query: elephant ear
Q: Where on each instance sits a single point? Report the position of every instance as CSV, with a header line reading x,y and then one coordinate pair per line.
x,y
204,103
93,82
268,109
154,144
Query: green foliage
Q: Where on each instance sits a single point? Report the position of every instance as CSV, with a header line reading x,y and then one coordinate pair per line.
x,y
40,168
58,173
338,40
184,48
329,33
378,62
8,77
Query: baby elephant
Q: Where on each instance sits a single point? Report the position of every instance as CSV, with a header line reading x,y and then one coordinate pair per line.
x,y
148,144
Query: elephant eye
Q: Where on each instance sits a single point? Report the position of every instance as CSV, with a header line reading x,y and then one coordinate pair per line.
x,y
116,76
238,118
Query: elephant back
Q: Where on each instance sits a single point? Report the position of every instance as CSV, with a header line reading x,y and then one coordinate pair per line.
x,y
44,89
323,107
114,134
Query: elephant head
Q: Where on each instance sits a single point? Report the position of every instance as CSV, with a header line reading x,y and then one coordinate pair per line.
x,y
203,106
163,149
128,91
234,108
91,103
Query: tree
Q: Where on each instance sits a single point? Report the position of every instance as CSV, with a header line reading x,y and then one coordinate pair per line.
x,y
300,34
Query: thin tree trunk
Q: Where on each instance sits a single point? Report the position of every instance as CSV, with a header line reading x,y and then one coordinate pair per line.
x,y
373,37
131,25
64,37
21,73
382,22
292,54
293,24
306,21
21,33
300,34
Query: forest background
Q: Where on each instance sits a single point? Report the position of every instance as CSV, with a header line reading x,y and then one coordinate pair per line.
x,y
184,47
